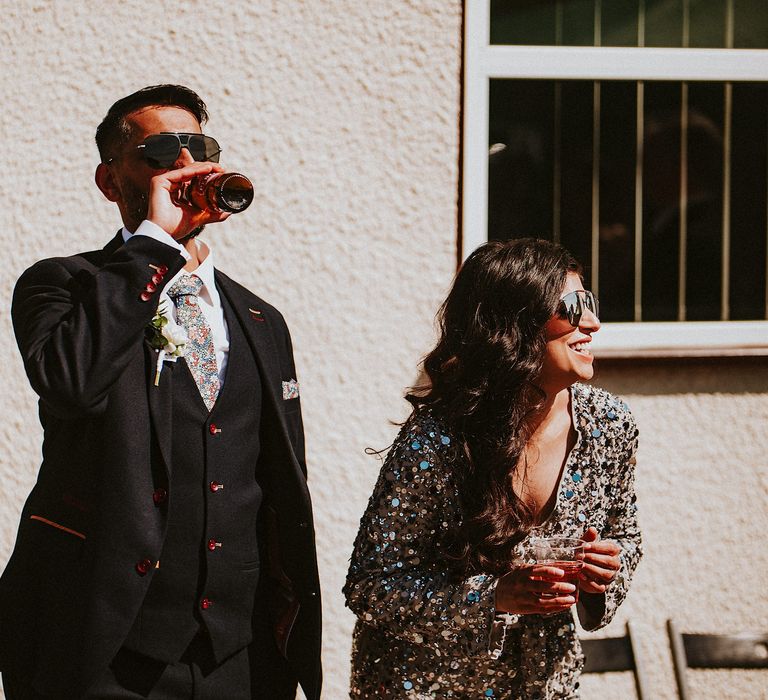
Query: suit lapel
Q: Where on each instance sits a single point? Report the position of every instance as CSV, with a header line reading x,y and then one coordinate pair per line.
x,y
114,244
258,334
160,398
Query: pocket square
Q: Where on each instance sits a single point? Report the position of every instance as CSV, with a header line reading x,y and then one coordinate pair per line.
x,y
290,390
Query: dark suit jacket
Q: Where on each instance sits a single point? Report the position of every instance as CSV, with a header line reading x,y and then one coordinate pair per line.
x,y
72,587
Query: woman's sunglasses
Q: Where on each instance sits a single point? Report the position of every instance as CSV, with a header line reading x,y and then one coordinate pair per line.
x,y
572,306
162,150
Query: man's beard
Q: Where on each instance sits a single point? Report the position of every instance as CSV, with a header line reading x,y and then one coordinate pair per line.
x,y
136,204
194,233
137,208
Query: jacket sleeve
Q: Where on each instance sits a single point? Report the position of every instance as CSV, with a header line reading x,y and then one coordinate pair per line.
x,y
76,326
294,418
399,579
621,526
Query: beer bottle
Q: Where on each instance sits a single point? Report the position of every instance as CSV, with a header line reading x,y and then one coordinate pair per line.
x,y
230,192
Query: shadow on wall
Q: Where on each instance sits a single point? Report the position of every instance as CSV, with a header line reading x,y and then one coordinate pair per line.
x,y
659,377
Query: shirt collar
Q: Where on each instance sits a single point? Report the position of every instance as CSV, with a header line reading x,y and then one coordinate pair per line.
x,y
205,271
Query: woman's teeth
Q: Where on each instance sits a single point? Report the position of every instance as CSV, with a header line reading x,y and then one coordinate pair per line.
x,y
581,347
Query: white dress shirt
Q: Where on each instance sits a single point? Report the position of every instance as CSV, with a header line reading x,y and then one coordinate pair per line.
x,y
210,301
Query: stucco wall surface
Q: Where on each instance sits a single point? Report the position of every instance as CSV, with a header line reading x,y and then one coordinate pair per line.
x,y
702,481
345,115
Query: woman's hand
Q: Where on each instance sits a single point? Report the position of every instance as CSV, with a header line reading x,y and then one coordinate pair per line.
x,y
601,562
534,589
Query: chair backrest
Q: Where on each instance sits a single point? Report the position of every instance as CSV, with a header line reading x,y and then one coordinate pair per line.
x,y
714,651
614,654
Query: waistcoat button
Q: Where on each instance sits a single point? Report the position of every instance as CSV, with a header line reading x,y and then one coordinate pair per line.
x,y
144,566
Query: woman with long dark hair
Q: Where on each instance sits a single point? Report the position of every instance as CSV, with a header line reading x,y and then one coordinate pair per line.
x,y
504,444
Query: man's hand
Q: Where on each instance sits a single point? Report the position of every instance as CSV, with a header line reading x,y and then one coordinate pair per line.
x,y
534,589
601,562
175,217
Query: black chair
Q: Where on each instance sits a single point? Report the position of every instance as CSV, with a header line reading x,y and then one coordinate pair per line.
x,y
614,654
714,651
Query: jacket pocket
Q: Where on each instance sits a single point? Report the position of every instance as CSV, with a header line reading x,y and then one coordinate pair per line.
x,y
286,606
58,526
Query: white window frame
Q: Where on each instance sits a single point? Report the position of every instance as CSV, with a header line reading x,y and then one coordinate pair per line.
x,y
483,62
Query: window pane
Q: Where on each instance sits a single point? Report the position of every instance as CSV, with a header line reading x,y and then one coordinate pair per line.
x,y
750,24
576,130
548,178
661,198
578,23
704,205
521,165
618,22
749,162
617,199
663,23
523,22
707,23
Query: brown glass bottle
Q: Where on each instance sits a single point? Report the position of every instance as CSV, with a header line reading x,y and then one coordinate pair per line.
x,y
230,192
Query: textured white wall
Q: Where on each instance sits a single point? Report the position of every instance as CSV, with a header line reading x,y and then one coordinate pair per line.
x,y
702,483
345,114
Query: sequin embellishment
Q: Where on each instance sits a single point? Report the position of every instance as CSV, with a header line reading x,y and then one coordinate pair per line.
x,y
424,633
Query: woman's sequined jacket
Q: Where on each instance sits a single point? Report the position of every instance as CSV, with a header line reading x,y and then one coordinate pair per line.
x,y
423,632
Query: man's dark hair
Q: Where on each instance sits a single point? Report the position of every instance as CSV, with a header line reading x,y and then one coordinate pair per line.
x,y
113,132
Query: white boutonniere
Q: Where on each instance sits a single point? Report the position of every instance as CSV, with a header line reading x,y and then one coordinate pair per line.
x,y
167,338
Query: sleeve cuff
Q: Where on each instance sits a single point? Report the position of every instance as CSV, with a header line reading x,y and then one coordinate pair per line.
x,y
591,610
152,230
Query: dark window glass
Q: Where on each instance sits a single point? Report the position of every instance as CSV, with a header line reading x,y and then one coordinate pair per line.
x,y
575,168
662,23
618,109
549,178
750,24
707,24
524,22
578,23
749,164
521,176
661,201
619,22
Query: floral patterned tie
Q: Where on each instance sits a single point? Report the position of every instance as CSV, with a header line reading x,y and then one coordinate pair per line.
x,y
199,351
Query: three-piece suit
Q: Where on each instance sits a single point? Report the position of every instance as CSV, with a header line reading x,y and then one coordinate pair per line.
x,y
154,521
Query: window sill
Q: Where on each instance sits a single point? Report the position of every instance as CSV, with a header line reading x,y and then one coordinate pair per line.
x,y
676,340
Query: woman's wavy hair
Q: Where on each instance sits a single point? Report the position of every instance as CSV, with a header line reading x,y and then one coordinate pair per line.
x,y
482,381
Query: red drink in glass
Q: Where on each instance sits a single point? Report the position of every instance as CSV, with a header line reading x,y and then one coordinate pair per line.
x,y
571,569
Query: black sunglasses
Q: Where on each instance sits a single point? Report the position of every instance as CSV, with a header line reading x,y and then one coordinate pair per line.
x,y
162,150
572,306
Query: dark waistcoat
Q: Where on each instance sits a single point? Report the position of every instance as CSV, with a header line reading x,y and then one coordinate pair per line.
x,y
209,567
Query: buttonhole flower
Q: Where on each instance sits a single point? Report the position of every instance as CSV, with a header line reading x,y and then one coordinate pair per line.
x,y
167,338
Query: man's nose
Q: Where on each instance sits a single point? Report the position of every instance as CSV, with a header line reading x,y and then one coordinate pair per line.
x,y
185,158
